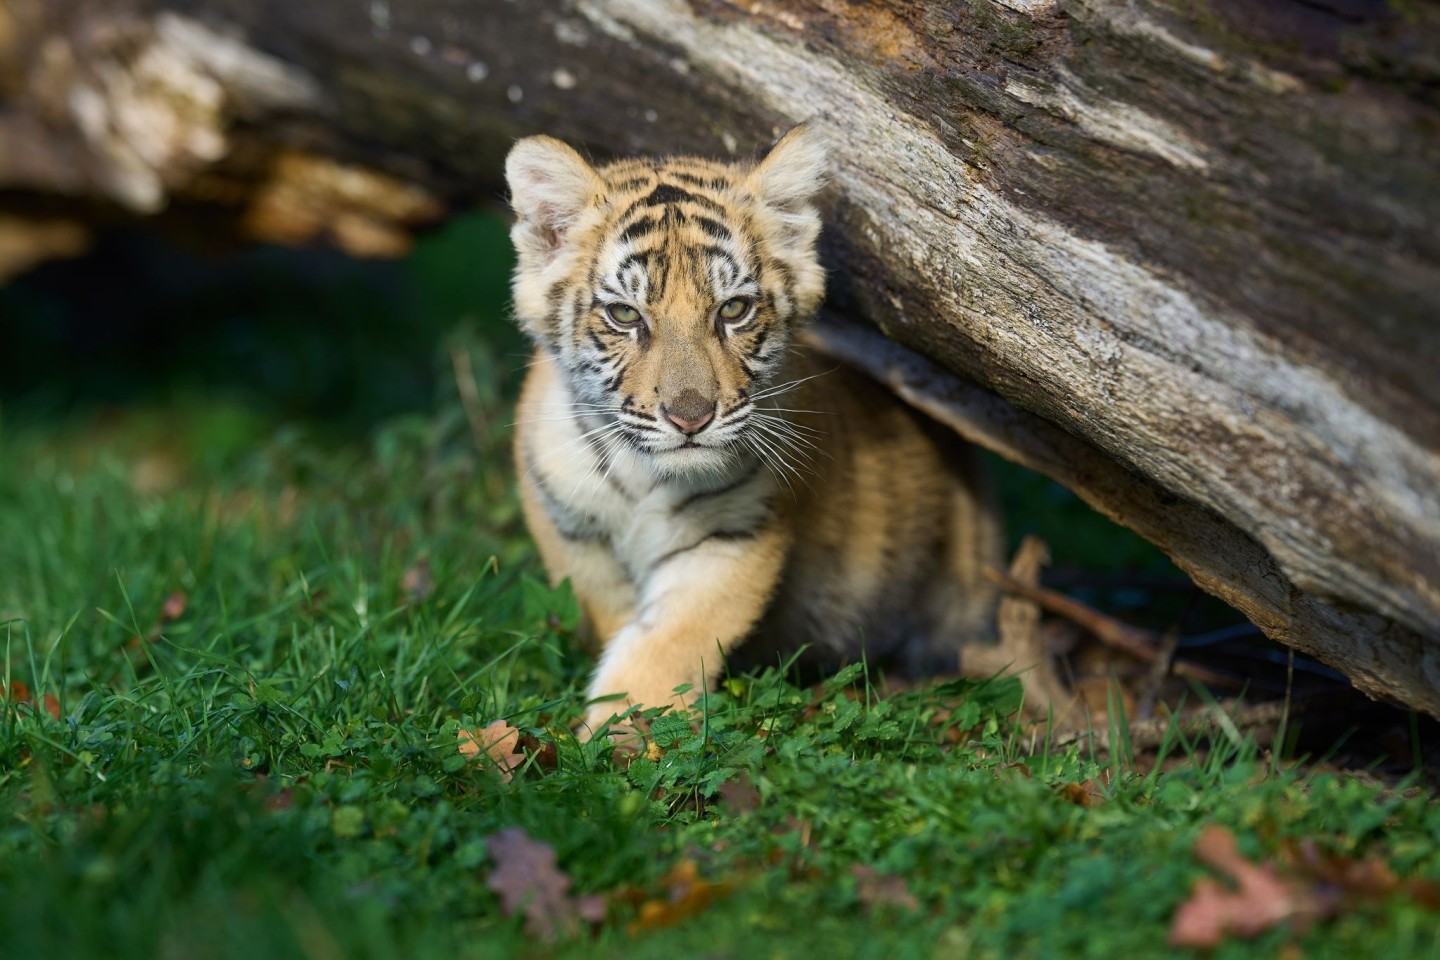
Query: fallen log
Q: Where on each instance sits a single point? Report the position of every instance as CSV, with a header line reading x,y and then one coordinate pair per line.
x,y
1182,257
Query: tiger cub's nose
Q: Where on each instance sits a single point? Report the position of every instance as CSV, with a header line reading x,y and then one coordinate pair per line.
x,y
689,411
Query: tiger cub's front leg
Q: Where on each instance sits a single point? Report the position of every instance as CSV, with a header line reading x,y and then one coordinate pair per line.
x,y
579,554
696,605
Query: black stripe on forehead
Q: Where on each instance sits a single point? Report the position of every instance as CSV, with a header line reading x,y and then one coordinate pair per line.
x,y
667,194
640,228
695,180
716,252
714,228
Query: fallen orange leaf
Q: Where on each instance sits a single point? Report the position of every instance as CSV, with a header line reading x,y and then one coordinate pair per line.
x,y
687,894
498,741
1086,794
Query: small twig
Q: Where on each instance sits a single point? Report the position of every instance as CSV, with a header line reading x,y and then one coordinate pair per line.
x,y
1021,649
1111,632
470,397
1289,694
1165,662
1140,644
1160,671
1119,580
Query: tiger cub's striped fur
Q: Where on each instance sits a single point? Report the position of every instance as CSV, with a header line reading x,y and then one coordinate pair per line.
x,y
707,486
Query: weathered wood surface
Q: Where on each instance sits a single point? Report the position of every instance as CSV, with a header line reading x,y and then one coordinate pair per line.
x,y
1187,248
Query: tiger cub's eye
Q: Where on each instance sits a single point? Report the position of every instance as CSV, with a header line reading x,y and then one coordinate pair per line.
x,y
734,308
623,315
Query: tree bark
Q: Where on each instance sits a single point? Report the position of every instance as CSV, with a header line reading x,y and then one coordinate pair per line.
x,y
1181,255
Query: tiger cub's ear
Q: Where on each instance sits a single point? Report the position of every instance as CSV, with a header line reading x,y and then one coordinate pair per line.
x,y
784,184
550,186
793,171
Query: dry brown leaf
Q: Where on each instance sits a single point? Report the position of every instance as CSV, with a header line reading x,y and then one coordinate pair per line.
x,y
1342,881
280,801
528,881
1426,893
498,741
592,908
739,795
1206,918
541,753
1363,878
272,800
1086,794
19,693
1318,884
687,894
174,607
417,582
1260,901
1013,771
882,890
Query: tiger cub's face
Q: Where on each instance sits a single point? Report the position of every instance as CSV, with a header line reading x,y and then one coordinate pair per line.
x,y
668,290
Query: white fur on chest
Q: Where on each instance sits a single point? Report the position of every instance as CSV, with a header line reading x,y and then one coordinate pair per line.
x,y
595,484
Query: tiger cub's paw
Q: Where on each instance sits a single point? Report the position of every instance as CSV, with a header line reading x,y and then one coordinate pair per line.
x,y
645,689
628,736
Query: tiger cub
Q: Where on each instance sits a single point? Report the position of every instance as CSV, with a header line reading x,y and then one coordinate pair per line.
x,y
708,486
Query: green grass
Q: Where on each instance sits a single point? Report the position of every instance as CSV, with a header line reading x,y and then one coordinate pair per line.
x,y
274,772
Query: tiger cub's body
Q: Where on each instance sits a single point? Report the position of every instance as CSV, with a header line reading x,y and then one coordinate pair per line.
x,y
707,486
